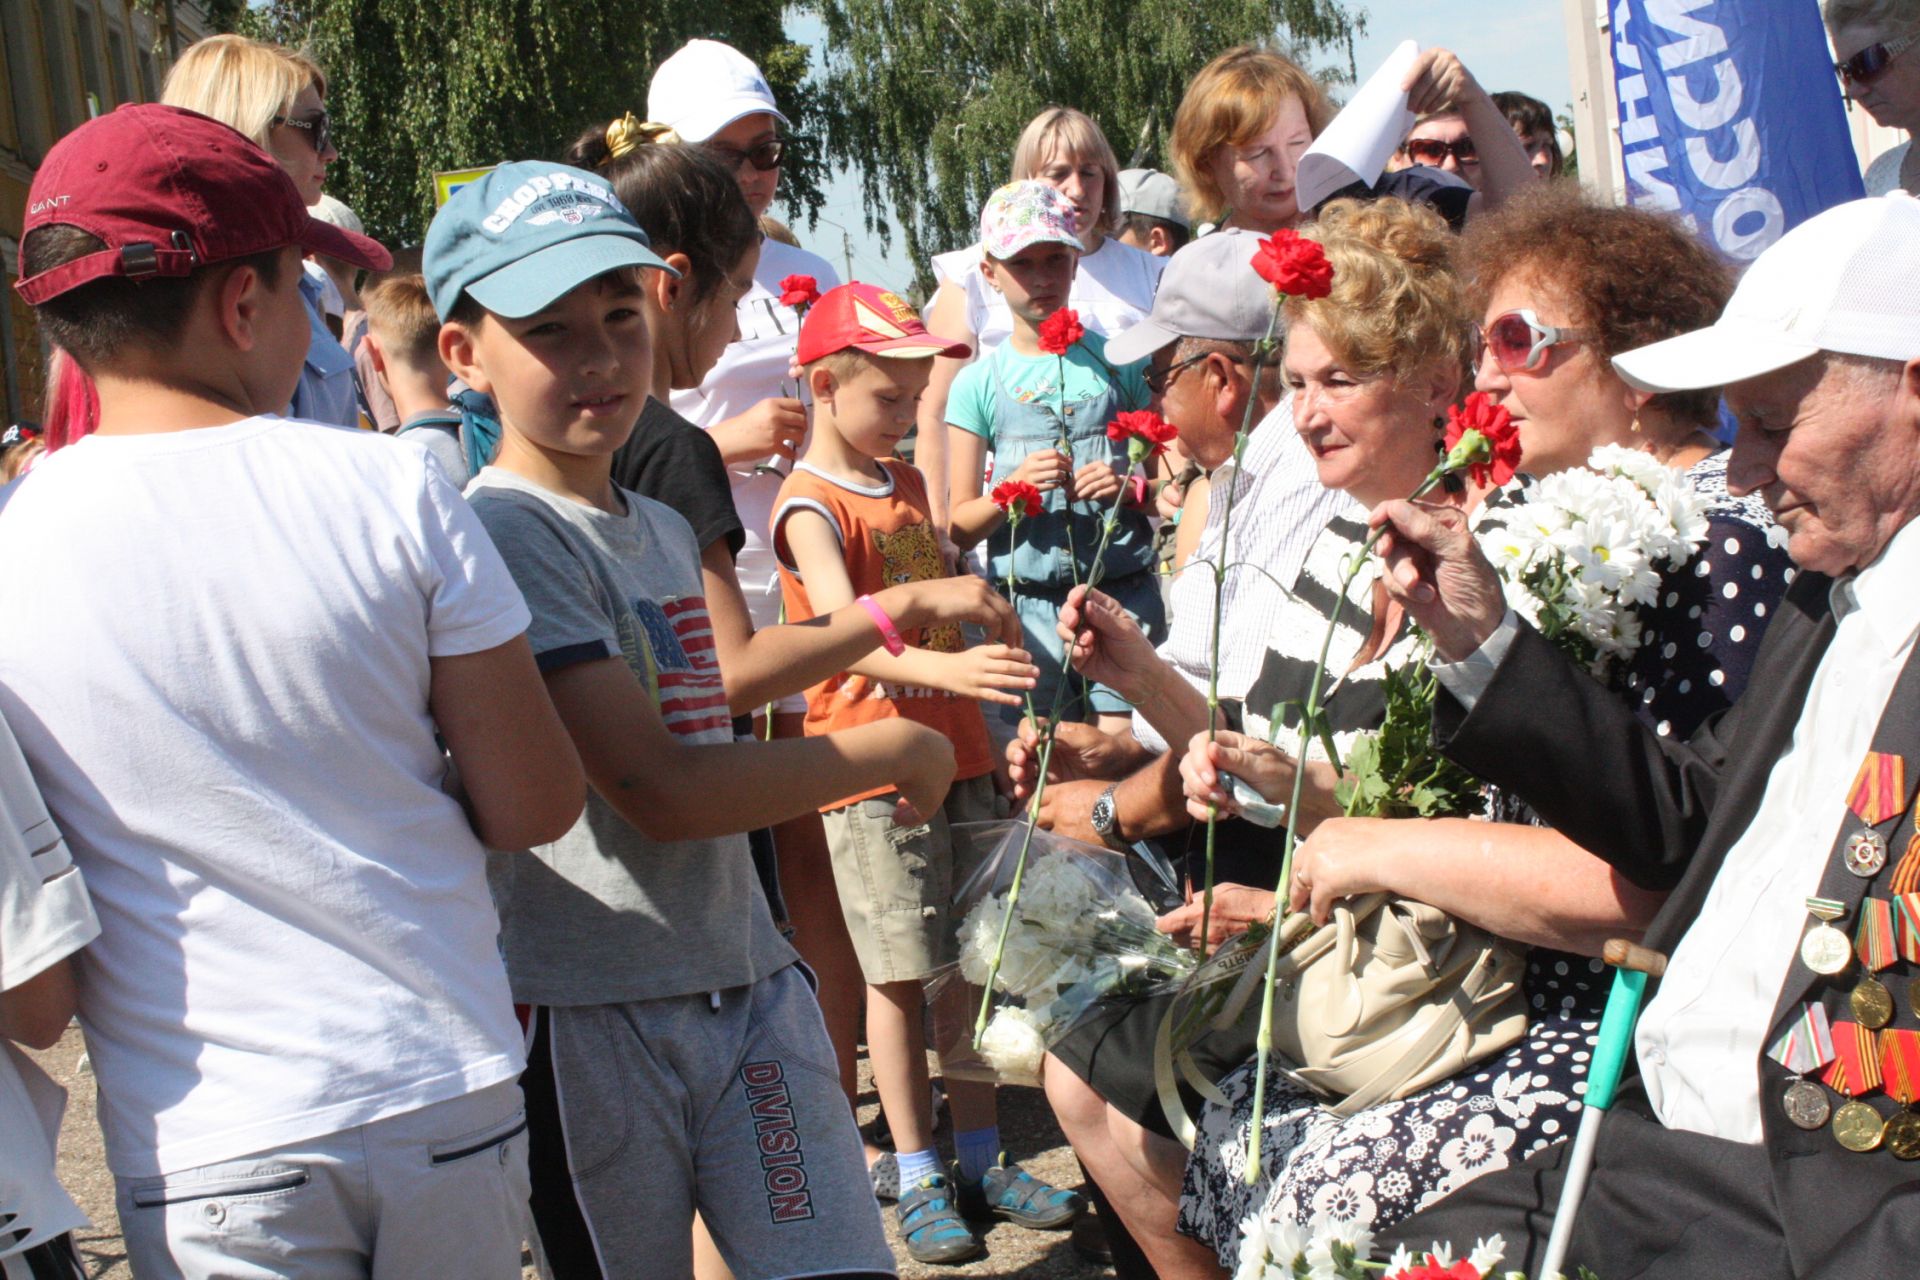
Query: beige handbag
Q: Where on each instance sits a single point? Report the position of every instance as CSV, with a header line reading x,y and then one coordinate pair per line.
x,y
1386,998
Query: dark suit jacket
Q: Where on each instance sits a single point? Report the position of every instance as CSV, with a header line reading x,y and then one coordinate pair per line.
x,y
1665,814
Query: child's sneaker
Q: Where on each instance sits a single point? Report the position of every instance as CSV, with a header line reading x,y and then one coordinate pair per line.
x,y
1010,1192
933,1232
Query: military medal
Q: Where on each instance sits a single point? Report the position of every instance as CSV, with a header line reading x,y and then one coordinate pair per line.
x,y
1906,927
1879,790
1805,1046
1900,1067
1858,1127
1825,949
1873,943
1866,853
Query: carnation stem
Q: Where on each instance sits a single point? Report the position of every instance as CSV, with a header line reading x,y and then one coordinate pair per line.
x,y
1013,594
1310,716
1260,354
1046,759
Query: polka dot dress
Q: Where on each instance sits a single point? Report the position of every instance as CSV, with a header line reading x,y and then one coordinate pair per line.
x,y
1389,1162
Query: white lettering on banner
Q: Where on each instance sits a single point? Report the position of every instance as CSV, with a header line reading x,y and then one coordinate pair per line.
x,y
1721,147
1715,111
1773,221
1703,39
1734,171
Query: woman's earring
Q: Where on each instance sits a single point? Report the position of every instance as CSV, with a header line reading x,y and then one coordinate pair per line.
x,y
1635,427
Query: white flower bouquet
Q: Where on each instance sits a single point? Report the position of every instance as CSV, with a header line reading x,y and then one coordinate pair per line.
x,y
1583,550
1081,931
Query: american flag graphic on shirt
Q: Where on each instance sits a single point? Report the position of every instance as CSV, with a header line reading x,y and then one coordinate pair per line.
x,y
679,639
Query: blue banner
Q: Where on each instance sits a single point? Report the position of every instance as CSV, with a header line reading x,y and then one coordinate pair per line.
x,y
1731,115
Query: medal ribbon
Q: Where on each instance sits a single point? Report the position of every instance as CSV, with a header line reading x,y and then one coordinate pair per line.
x,y
1880,788
1856,1060
1906,876
1900,1060
1806,1045
1873,940
1906,913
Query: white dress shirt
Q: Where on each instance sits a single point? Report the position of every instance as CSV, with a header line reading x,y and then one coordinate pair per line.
x,y
1702,1034
1279,509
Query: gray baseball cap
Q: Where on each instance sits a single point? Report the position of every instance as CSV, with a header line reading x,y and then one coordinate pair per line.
x,y
1153,193
1209,290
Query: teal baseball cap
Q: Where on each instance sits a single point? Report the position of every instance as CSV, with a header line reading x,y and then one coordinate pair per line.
x,y
526,233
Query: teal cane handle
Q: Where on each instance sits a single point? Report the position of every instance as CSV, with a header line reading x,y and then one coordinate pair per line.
x,y
1616,1037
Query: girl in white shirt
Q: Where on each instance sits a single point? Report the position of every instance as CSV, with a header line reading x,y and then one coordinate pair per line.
x,y
1112,289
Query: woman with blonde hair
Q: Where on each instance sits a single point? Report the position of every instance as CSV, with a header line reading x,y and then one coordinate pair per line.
x,y
277,97
1113,285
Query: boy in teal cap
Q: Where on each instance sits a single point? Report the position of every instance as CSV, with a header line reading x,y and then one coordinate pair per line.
x,y
677,1059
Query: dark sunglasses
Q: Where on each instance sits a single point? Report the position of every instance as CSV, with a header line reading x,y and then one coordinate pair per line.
x,y
1157,379
763,156
1432,151
1871,62
318,128
1519,341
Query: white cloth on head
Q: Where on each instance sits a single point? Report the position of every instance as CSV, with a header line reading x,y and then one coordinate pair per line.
x,y
1112,290
1279,509
45,916
217,661
753,368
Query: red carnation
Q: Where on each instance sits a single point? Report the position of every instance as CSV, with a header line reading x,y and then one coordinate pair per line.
x,y
1061,330
1012,494
1481,437
1152,432
1432,1270
799,292
1294,265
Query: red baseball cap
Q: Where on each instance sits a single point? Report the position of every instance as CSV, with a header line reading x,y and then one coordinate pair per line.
x,y
867,318
169,191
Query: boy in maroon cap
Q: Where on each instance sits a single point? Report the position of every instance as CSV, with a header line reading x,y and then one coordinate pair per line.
x,y
226,660
850,520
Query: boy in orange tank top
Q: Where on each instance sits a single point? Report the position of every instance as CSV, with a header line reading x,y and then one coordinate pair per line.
x,y
852,520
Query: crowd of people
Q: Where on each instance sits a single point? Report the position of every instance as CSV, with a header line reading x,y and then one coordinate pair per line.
x,y
485,727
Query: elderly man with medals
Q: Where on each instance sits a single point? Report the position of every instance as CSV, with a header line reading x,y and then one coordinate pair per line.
x,y
1770,1128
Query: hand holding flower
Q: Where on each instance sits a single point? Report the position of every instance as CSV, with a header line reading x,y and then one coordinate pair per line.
x,y
1436,569
1261,765
1107,646
1236,908
1095,482
1343,858
1043,469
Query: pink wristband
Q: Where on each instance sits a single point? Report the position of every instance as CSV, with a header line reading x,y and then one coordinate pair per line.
x,y
1139,486
888,632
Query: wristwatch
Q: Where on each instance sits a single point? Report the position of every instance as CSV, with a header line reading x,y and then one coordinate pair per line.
x,y
1105,819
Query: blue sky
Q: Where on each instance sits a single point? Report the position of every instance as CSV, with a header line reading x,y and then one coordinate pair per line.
x,y
1524,48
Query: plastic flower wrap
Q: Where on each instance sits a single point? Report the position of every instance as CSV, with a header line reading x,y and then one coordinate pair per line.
x,y
1080,930
1586,548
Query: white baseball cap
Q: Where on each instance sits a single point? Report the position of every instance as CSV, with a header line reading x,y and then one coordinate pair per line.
x,y
1209,290
1846,280
705,87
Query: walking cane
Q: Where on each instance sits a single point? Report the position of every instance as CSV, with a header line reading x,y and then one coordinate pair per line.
x,y
1635,964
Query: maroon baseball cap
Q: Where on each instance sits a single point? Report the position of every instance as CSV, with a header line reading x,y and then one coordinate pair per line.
x,y
169,191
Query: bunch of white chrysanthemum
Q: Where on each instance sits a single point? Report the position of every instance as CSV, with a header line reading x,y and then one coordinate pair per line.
x,y
1014,1043
1587,546
1328,1249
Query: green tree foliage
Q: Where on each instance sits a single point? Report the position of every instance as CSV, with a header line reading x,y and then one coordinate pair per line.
x,y
416,87
927,97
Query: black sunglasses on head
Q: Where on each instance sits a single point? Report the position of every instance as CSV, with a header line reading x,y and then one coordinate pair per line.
x,y
1871,62
318,128
762,156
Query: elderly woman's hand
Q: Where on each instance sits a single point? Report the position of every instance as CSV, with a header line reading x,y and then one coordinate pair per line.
x,y
1437,570
1107,646
1236,908
1343,858
1262,766
1079,751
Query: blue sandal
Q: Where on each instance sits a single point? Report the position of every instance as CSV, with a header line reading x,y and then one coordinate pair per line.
x,y
932,1231
1010,1192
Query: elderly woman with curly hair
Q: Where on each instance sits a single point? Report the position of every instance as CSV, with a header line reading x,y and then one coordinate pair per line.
x,y
1546,276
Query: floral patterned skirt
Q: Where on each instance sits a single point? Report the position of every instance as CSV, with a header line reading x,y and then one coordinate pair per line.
x,y
1390,1161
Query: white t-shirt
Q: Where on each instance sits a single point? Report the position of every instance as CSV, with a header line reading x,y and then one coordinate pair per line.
x,y
752,369
44,918
1112,290
216,661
